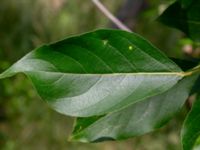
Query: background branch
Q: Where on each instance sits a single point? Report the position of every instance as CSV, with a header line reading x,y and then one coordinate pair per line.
x,y
108,14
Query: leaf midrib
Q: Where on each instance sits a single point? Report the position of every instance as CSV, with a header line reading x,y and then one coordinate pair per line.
x,y
182,74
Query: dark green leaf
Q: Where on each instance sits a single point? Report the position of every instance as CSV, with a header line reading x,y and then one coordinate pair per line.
x,y
137,119
191,128
185,64
186,3
187,19
196,87
98,72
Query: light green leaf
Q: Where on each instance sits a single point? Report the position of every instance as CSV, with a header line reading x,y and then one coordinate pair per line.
x,y
98,72
197,144
137,119
186,17
191,128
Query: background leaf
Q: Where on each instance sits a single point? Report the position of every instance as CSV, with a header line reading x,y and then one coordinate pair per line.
x,y
186,3
185,64
191,127
187,19
196,87
137,119
98,72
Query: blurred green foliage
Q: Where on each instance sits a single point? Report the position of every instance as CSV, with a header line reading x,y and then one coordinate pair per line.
x,y
26,122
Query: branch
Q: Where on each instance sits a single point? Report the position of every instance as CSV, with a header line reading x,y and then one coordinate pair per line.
x,y
109,15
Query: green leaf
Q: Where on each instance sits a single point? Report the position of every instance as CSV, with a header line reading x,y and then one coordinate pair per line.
x,y
186,3
197,144
185,64
137,119
98,72
196,87
187,19
191,128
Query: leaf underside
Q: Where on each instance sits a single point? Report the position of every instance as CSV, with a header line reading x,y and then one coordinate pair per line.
x,y
98,72
137,119
117,83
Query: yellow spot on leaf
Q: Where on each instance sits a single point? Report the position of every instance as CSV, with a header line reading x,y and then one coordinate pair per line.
x,y
130,48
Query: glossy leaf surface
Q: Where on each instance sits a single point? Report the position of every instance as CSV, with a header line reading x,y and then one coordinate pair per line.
x,y
98,72
137,119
